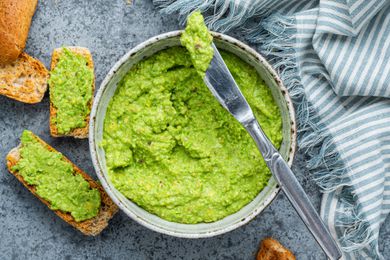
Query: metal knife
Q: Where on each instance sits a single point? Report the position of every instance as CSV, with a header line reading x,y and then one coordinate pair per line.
x,y
221,83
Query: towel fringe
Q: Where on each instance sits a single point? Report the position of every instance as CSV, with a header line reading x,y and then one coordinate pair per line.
x,y
357,232
220,15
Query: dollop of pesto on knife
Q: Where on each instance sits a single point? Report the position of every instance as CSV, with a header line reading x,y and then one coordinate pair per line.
x,y
197,40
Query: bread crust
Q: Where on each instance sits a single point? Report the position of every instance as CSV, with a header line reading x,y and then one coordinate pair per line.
x,y
78,132
271,249
15,21
24,80
90,227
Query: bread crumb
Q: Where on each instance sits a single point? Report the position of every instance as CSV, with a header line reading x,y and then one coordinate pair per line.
x,y
271,249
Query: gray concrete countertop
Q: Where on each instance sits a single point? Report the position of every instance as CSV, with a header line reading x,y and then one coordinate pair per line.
x,y
28,230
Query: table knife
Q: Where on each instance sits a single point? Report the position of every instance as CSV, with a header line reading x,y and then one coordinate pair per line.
x,y
221,83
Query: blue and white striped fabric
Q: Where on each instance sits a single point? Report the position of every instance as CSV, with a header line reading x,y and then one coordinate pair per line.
x,y
334,56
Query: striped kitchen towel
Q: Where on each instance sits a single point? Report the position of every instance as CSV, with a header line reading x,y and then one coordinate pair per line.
x,y
334,56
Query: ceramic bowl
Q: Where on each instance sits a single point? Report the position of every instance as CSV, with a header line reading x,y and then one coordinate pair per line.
x,y
107,90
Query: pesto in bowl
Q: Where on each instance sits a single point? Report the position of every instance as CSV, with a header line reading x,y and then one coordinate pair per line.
x,y
170,146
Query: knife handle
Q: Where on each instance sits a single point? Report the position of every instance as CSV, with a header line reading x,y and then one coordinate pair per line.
x,y
293,190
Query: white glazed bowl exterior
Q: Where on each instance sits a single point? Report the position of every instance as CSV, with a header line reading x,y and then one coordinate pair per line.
x,y
107,90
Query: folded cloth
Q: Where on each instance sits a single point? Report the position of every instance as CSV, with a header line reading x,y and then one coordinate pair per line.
x,y
334,57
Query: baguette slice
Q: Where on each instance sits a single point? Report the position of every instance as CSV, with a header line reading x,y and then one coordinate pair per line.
x,y
15,20
24,80
90,227
271,249
78,132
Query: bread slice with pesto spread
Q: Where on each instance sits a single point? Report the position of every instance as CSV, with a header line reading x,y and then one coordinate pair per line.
x,y
25,167
72,86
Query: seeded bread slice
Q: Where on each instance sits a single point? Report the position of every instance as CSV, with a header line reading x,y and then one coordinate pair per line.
x,y
24,80
78,132
271,249
90,227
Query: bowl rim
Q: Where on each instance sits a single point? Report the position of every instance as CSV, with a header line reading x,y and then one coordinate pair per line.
x,y
93,144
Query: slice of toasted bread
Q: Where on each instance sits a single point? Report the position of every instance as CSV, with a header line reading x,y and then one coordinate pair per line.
x,y
271,249
90,227
24,80
78,132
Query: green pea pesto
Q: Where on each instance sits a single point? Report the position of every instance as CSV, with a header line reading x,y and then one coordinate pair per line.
x,y
55,180
71,91
197,40
173,150
169,145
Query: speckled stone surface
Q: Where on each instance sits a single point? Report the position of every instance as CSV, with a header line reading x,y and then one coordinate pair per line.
x,y
28,230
